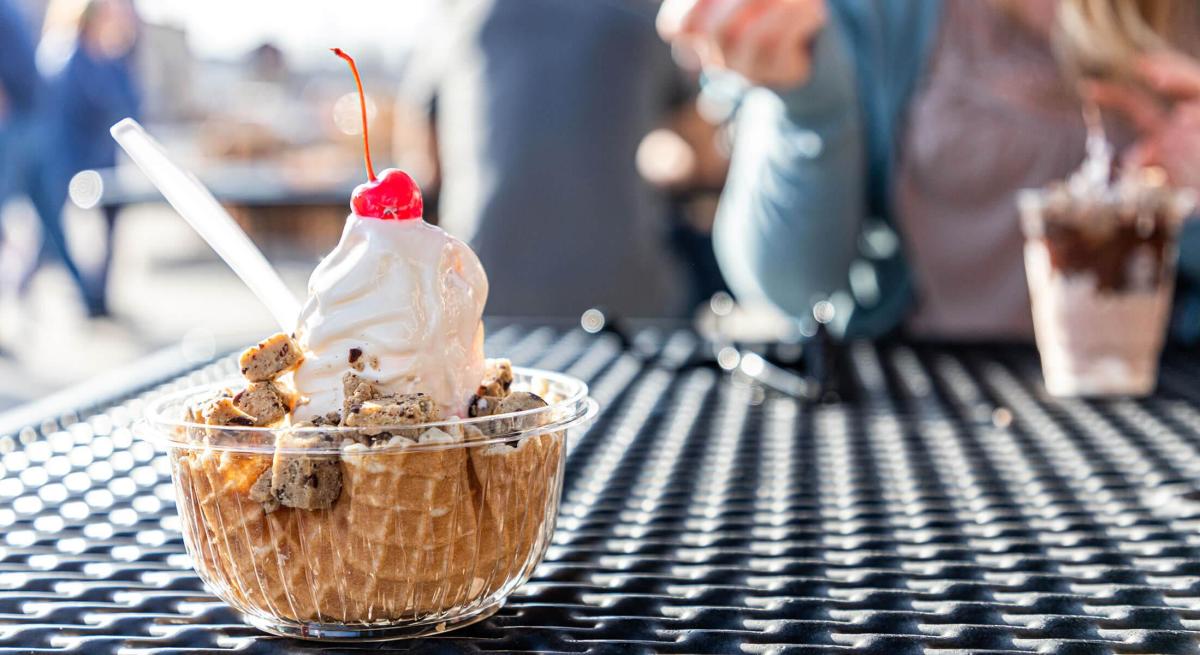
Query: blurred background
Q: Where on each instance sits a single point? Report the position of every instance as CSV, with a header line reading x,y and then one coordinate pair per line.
x,y
509,118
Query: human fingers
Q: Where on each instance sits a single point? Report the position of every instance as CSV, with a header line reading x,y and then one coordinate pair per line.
x,y
677,18
1142,110
774,48
1171,73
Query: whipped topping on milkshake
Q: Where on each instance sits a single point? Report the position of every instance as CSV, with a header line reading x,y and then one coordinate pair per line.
x,y
409,294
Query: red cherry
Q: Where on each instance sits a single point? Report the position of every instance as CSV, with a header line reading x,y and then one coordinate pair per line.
x,y
393,195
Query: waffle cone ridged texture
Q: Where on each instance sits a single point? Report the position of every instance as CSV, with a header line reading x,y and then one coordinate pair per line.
x,y
414,535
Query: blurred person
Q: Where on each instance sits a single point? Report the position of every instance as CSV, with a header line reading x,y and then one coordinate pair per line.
x,y
19,85
540,106
879,147
93,89
27,164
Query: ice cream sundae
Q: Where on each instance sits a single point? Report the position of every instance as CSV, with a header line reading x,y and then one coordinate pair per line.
x,y
373,475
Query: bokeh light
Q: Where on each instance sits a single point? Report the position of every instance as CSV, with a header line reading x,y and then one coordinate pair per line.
x,y
347,116
86,189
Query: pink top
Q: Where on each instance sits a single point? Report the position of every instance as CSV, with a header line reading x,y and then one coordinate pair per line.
x,y
993,116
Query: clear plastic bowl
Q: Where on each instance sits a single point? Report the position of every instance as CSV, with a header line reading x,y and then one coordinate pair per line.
x,y
434,526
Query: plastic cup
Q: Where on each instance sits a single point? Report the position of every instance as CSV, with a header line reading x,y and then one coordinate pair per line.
x,y
434,526
1101,275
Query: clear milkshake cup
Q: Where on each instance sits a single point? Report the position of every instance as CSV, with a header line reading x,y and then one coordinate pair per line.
x,y
1100,262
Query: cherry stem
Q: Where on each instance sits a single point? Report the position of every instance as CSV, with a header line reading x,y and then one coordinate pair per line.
x,y
362,104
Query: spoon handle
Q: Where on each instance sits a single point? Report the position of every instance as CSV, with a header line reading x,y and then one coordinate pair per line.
x,y
210,220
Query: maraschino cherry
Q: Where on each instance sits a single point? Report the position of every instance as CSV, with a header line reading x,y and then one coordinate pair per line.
x,y
391,196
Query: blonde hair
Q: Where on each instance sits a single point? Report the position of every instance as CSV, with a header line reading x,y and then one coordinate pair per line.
x,y
1102,38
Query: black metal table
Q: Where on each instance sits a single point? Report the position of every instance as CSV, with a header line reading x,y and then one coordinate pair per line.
x,y
948,507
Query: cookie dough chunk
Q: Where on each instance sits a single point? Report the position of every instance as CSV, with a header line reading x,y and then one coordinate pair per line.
x,y
497,379
519,401
356,391
302,481
265,402
377,414
325,420
223,411
260,492
483,405
271,358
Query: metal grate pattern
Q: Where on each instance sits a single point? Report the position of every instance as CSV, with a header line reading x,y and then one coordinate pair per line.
x,y
950,507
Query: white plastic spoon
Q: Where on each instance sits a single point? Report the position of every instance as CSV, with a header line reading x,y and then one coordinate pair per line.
x,y
210,220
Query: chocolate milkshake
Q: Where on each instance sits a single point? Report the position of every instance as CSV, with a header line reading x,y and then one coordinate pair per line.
x,y
1100,260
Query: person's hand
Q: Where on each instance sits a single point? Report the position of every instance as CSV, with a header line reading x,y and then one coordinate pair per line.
x,y
1169,131
769,42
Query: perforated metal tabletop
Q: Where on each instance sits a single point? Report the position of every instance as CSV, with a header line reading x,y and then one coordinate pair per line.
x,y
947,507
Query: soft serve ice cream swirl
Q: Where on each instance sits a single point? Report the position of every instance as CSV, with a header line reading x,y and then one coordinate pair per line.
x,y
411,298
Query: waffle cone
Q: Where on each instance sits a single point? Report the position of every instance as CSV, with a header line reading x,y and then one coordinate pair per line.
x,y
411,524
246,552
515,487
413,533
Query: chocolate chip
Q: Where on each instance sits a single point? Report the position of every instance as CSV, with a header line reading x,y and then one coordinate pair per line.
x,y
241,420
312,480
356,408
284,349
237,398
244,369
355,353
